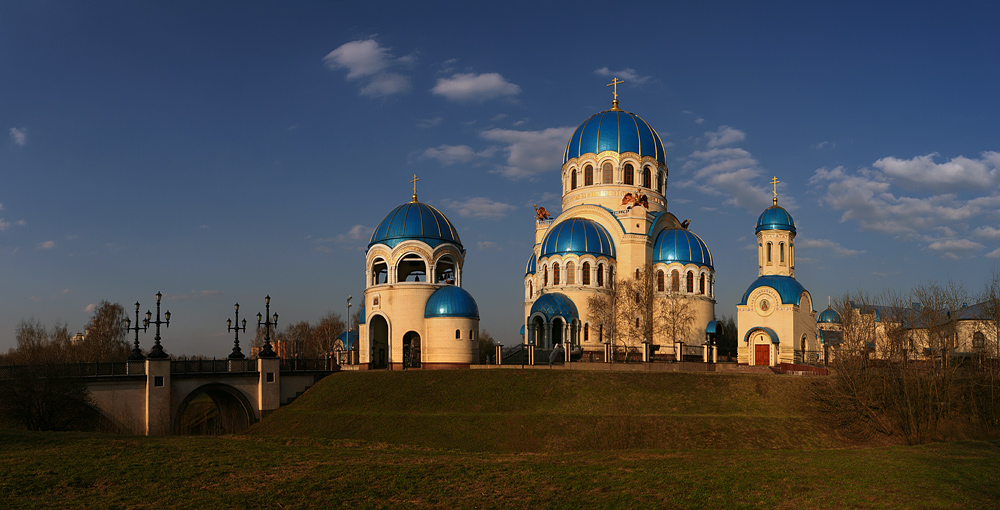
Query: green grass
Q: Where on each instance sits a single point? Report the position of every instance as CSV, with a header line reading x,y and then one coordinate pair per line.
x,y
73,470
555,410
509,439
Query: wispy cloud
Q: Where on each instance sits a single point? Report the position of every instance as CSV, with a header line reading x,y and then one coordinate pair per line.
x,y
725,135
452,154
90,308
479,207
732,173
487,246
19,135
628,74
475,87
46,245
828,245
530,153
372,66
957,173
429,123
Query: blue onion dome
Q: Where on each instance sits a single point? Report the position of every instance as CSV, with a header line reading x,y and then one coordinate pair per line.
x,y
615,130
362,321
415,221
349,339
554,304
578,236
788,288
451,301
532,265
829,316
775,218
681,245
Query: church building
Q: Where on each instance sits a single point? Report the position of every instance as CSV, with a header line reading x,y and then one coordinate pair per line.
x,y
775,318
614,223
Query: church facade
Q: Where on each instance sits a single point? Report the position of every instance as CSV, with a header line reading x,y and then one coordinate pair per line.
x,y
614,224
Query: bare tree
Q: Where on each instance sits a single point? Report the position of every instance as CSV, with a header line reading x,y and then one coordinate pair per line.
x,y
105,338
675,317
325,332
486,345
606,309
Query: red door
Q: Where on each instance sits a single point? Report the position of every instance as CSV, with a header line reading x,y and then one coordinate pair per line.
x,y
762,354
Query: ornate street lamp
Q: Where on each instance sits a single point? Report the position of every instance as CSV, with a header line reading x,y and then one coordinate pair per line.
x,y
136,352
157,351
237,353
266,351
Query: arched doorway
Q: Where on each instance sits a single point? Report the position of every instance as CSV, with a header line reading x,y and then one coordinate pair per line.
x,y
557,332
214,409
411,350
537,336
378,357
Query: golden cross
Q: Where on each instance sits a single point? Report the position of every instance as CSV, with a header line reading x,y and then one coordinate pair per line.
x,y
614,83
414,181
774,182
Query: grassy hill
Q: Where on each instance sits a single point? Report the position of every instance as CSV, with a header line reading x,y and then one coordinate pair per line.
x,y
557,410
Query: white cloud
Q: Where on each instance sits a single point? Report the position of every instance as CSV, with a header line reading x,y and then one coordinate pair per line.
x,y
957,173
479,207
47,245
824,144
19,135
369,63
988,232
477,87
429,123
90,308
628,74
487,245
725,135
995,254
530,153
452,154
730,172
828,245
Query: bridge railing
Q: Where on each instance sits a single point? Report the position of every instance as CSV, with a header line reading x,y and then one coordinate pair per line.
x,y
92,369
294,364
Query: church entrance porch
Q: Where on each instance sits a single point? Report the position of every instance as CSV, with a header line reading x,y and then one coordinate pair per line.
x,y
378,357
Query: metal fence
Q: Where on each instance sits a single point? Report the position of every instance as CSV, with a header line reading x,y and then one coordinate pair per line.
x,y
182,366
94,369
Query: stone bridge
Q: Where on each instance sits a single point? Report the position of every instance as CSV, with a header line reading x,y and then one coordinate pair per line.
x,y
150,396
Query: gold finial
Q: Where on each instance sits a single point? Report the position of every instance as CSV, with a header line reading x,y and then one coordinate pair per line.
x,y
614,83
414,181
828,302
774,182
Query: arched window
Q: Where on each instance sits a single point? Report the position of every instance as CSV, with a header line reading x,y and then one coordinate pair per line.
x,y
637,322
675,281
585,277
411,268
647,178
659,281
636,298
471,337
690,282
588,176
629,174
600,333
572,179
570,273
545,276
607,170
768,253
659,182
458,334
637,273
701,286
978,340
586,332
380,272
530,290
781,252
444,271
611,277
555,274
600,275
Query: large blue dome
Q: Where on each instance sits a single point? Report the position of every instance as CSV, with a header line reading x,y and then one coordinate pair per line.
x,y
775,218
417,221
578,236
681,245
615,130
829,316
788,288
451,301
553,305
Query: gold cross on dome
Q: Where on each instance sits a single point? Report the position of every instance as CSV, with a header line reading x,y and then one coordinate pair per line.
x,y
614,83
414,181
774,182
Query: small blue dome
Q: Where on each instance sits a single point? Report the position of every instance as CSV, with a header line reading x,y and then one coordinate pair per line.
x,y
555,304
788,288
418,221
775,218
532,265
578,236
349,339
451,301
829,316
615,130
362,321
681,245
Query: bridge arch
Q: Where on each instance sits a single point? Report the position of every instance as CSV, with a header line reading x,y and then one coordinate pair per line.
x,y
235,412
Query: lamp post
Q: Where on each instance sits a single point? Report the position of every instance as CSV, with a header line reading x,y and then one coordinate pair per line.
x,y
266,351
136,352
237,353
347,333
157,351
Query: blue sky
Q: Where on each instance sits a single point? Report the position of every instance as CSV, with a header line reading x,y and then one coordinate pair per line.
x,y
221,151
